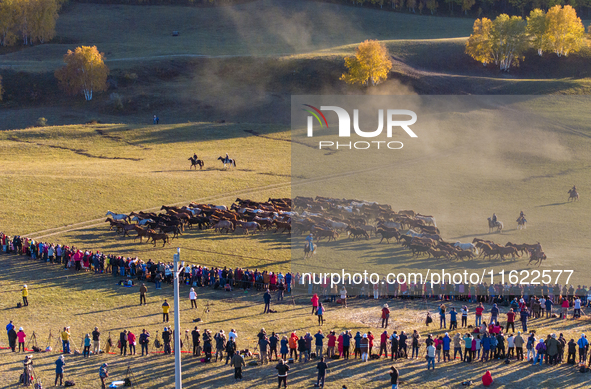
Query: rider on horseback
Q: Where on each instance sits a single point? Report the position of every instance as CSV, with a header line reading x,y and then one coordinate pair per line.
x,y
521,217
195,156
310,242
494,219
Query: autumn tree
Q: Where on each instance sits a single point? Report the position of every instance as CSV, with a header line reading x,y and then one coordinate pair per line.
x,y
8,22
501,41
564,30
371,64
85,71
509,40
536,30
32,20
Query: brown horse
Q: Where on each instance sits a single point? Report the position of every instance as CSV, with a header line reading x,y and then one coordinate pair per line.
x,y
142,233
573,195
195,163
163,237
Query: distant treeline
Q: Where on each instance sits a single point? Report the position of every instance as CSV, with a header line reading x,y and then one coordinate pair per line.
x,y
467,7
472,8
197,3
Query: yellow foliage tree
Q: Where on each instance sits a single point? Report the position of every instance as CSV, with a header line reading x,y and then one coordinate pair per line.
x,y
33,20
8,21
479,45
371,64
536,30
564,30
501,41
85,71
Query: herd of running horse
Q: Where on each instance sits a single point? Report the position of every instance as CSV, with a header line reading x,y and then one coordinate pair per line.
x,y
321,217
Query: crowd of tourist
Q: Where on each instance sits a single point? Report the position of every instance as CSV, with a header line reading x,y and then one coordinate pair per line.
x,y
477,342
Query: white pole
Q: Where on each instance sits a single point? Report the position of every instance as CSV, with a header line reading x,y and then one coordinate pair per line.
x,y
177,324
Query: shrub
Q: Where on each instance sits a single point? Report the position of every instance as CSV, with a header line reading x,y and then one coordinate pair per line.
x,y
41,122
116,101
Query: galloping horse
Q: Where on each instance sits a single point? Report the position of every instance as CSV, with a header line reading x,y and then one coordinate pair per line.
x,y
118,216
573,195
227,161
498,225
195,163
521,223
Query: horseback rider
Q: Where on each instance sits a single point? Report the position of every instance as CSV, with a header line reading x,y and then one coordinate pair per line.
x,y
494,219
521,217
574,189
227,157
195,156
310,242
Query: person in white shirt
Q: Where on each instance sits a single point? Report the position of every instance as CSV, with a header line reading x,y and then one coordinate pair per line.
x,y
344,297
511,346
464,316
577,312
193,297
542,306
431,356
233,335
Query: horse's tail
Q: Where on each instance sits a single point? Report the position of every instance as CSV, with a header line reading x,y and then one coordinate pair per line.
x,y
234,162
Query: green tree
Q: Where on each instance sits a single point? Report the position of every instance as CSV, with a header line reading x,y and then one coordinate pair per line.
x,y
85,71
536,30
467,5
371,64
564,30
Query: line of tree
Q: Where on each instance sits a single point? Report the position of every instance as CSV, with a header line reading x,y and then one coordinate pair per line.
x,y
503,41
28,21
469,7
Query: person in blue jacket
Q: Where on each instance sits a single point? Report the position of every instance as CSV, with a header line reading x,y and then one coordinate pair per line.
x,y
485,343
446,347
357,344
583,344
346,344
59,370
453,321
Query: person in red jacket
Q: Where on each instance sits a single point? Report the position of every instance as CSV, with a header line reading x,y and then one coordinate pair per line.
x,y
385,315
131,342
510,320
384,344
564,306
332,340
314,301
479,310
370,337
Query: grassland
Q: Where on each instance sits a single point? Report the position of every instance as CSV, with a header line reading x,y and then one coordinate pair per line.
x,y
81,300
58,182
259,28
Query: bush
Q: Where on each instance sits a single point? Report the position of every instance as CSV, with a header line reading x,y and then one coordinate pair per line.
x,y
41,122
130,76
116,101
